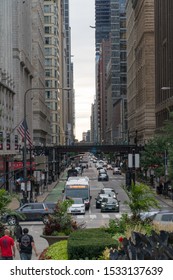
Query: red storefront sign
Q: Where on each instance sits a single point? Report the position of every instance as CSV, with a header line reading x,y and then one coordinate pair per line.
x,y
16,165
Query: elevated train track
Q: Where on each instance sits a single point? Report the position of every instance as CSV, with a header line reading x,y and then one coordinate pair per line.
x,y
121,149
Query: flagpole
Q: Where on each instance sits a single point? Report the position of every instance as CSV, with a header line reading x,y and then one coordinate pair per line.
x,y
25,196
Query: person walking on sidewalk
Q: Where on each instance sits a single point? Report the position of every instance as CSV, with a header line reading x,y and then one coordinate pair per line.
x,y
25,244
17,230
7,246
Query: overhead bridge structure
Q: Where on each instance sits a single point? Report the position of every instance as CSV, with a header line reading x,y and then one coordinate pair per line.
x,y
120,149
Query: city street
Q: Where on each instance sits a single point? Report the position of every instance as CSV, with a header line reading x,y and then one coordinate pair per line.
x,y
93,217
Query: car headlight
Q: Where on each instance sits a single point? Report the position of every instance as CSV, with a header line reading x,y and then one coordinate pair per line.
x,y
103,204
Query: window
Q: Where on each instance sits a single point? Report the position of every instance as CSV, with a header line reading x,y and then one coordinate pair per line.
x,y
167,218
47,40
48,95
47,29
48,73
122,34
48,61
38,206
47,19
48,51
48,83
47,8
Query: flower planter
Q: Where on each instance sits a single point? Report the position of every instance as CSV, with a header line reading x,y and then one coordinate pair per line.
x,y
52,239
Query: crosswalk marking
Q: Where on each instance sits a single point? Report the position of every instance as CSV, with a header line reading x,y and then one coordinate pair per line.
x,y
99,216
105,216
93,216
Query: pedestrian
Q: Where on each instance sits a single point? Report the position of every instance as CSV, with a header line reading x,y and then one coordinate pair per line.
x,y
7,246
17,230
25,244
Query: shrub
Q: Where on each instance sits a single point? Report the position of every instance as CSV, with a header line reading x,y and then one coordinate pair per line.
x,y
57,251
88,243
60,222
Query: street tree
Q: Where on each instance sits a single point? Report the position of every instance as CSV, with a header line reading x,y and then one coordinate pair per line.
x,y
141,199
153,155
168,137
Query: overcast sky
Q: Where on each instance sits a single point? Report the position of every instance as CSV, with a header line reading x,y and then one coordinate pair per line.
x,y
82,15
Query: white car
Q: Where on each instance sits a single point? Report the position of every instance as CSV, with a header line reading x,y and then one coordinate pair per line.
x,y
117,170
78,207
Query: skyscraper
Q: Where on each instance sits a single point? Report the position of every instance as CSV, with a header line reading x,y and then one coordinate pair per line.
x,y
110,40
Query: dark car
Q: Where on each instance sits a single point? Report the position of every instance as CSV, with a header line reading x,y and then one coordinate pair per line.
x,y
110,204
103,177
99,199
30,212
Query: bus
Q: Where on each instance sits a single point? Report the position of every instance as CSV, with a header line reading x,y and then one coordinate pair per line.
x,y
78,187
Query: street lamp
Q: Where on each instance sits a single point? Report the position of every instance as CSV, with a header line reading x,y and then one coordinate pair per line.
x,y
166,88
25,134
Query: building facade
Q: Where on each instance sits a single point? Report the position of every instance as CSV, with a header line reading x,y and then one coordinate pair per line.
x,y
69,111
141,70
164,61
41,113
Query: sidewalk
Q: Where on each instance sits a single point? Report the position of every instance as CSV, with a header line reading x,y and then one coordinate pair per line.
x,y
164,199
53,193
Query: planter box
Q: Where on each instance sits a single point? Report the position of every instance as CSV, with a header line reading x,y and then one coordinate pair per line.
x,y
53,239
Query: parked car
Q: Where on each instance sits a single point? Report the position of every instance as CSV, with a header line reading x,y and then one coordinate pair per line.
x,y
109,191
163,217
30,212
109,204
103,176
99,199
116,170
78,206
148,215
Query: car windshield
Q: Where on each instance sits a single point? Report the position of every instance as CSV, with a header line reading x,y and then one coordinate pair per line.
x,y
77,201
80,193
107,191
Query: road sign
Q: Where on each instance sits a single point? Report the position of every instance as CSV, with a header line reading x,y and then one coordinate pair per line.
x,y
133,161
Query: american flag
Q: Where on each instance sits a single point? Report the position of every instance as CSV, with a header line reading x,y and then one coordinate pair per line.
x,y
21,129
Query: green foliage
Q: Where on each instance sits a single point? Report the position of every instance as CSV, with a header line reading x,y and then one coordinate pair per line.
x,y
153,155
88,243
57,251
60,222
141,199
5,199
168,136
118,225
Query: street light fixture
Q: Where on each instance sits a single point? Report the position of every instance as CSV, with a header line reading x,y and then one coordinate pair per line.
x,y
25,134
166,88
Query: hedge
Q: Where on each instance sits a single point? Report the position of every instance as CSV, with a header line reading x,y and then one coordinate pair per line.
x,y
88,243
